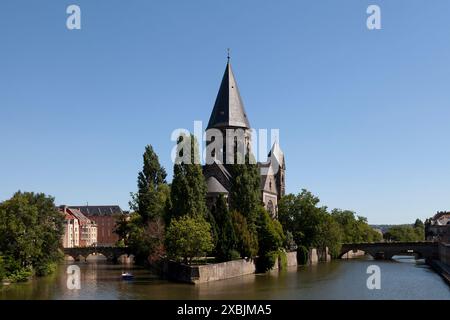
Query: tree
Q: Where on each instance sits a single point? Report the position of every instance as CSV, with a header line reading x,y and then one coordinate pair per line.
x,y
30,233
300,215
143,231
226,240
314,226
270,233
150,200
188,190
245,192
354,229
329,234
188,237
2,269
270,240
246,241
418,224
406,233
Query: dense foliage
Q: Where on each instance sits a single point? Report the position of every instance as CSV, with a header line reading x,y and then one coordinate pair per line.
x,y
354,230
153,191
312,225
245,193
188,237
270,240
226,238
143,230
246,240
188,190
31,228
405,233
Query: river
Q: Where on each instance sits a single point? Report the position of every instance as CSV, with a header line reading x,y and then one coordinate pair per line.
x,y
404,278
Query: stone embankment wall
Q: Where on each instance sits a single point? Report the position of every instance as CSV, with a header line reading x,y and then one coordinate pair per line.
x,y
210,272
196,274
444,253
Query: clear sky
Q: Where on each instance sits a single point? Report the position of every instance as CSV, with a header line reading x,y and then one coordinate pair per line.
x,y
363,115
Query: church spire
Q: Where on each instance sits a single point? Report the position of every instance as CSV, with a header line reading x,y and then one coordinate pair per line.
x,y
228,111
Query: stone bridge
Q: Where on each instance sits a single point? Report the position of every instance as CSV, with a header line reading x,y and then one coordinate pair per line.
x,y
111,253
386,250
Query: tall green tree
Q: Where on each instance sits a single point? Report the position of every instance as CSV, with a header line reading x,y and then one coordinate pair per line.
x,y
153,191
188,190
226,240
246,240
270,240
245,190
30,233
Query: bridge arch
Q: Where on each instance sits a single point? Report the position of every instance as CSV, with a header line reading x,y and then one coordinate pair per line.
x,y
387,250
110,253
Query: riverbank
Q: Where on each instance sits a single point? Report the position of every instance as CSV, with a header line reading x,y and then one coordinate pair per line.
x,y
442,269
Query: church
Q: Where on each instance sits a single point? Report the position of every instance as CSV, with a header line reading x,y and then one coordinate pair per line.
x,y
228,115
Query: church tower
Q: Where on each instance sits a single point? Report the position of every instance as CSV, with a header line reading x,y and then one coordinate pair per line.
x,y
229,117
228,140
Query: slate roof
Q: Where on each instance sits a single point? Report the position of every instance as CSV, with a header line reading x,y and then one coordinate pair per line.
x,y
98,210
214,186
228,109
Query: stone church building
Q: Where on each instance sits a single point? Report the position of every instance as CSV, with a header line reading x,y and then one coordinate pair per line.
x,y
229,116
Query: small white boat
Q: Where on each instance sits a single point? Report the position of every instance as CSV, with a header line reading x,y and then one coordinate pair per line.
x,y
127,276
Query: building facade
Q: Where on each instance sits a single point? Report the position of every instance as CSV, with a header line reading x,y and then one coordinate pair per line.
x,y
437,228
71,237
79,231
105,218
229,123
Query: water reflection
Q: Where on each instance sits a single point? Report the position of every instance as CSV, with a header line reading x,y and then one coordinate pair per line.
x,y
403,278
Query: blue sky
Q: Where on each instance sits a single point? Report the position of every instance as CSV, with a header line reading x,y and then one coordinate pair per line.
x,y
363,115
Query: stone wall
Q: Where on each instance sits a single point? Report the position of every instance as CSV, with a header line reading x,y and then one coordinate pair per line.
x,y
291,259
444,253
313,257
211,272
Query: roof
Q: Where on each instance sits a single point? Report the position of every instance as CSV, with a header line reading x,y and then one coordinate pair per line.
x,y
81,217
439,214
277,154
228,109
103,210
214,186
224,170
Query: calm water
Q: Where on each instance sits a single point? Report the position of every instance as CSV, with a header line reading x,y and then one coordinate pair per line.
x,y
345,279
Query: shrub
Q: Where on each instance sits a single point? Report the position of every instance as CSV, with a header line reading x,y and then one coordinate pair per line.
x,y
235,255
20,275
283,259
2,268
302,255
267,261
188,237
45,269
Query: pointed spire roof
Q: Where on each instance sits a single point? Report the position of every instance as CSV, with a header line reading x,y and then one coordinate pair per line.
x,y
277,154
228,109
